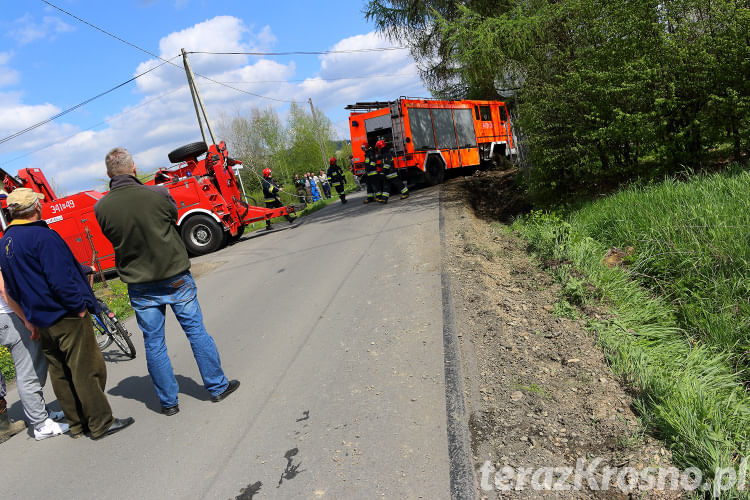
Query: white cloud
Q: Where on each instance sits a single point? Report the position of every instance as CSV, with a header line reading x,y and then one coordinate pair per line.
x,y
164,118
27,29
8,76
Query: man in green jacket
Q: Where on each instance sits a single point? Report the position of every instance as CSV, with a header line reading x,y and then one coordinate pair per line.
x,y
140,222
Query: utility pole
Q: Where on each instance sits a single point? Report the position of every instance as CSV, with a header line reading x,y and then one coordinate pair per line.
x,y
315,121
197,101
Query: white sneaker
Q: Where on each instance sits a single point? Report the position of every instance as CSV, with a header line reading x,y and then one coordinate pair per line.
x,y
50,428
57,416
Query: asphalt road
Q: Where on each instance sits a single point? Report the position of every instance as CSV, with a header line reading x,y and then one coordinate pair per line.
x,y
334,329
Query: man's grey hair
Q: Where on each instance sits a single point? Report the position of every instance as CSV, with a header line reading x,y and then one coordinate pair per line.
x,y
119,162
26,213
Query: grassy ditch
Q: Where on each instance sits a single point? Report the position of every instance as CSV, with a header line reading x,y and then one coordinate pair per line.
x,y
679,331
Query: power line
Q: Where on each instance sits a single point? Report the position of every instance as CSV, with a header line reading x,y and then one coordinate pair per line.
x,y
154,55
73,108
383,75
91,127
300,52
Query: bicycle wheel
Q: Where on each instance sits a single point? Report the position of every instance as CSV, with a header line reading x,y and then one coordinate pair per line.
x,y
117,332
120,336
103,339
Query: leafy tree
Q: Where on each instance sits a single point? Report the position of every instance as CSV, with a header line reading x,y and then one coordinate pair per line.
x,y
607,90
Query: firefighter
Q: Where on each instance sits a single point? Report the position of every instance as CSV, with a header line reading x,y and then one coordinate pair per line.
x,y
392,183
337,178
371,173
271,195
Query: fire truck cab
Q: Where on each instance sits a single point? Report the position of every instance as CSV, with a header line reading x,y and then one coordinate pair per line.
x,y
429,136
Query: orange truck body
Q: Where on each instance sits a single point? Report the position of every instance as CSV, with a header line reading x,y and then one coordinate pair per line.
x,y
429,136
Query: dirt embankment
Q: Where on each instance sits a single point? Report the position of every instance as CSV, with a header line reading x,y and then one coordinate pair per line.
x,y
540,393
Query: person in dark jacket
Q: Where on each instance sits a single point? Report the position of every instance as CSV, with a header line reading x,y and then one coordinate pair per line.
x,y
43,277
271,195
299,185
371,174
337,178
392,183
141,223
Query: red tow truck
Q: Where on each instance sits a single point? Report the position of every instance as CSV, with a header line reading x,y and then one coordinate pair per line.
x,y
211,209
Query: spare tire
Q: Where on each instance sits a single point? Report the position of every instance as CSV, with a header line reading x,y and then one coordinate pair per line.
x,y
193,150
434,171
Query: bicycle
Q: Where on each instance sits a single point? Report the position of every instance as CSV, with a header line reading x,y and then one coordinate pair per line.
x,y
108,329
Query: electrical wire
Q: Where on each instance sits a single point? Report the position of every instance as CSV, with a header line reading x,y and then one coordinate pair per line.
x,y
300,52
156,56
91,127
73,108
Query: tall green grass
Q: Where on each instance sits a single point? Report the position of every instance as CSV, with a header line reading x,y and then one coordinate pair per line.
x,y
679,333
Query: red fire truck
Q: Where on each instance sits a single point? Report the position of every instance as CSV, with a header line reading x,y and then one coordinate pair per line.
x,y
211,211
429,136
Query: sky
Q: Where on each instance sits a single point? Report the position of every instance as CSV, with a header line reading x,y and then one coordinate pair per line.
x,y
50,62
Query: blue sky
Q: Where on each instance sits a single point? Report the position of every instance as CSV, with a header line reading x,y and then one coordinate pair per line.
x,y
50,61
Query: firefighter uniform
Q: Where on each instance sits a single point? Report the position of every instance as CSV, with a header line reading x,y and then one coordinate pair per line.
x,y
336,175
392,183
371,175
271,198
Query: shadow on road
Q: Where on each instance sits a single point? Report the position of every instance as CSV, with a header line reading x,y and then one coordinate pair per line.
x,y
142,389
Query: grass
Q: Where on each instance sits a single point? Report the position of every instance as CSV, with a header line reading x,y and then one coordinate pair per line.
x,y
679,333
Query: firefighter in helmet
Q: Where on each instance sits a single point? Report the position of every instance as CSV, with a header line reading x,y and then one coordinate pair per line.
x,y
271,195
336,175
371,173
392,183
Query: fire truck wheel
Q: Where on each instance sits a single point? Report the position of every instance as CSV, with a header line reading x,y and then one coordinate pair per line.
x,y
434,171
202,234
192,150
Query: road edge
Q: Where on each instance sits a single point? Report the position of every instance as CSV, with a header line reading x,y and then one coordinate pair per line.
x,y
462,479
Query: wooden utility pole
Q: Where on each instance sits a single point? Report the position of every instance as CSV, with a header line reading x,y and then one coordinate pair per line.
x,y
320,143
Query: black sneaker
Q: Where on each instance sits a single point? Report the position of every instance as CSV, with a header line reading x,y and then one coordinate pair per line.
x,y
170,410
233,385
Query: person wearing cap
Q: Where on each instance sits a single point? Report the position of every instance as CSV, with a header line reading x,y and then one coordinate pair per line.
x,y
141,223
50,286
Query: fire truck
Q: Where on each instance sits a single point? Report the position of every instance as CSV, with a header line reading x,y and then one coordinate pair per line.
x,y
211,210
429,136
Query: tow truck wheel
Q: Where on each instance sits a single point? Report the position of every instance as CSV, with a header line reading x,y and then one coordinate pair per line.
x,y
202,235
192,150
434,171
238,236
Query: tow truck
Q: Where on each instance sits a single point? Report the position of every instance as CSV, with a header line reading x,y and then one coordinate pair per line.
x,y
210,206
212,210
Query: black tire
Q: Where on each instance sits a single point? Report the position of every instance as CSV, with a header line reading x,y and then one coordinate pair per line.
x,y
240,232
434,172
201,234
188,151
103,340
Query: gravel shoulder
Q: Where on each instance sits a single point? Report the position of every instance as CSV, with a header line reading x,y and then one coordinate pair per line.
x,y
539,392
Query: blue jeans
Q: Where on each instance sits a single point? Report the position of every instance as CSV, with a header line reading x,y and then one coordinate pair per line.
x,y
149,300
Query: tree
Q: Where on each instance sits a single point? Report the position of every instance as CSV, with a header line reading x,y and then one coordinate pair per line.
x,y
604,88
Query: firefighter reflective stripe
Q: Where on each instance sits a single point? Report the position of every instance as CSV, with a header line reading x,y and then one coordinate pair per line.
x,y
392,176
405,190
373,172
386,195
269,200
